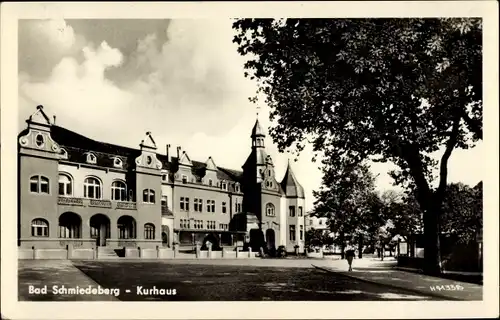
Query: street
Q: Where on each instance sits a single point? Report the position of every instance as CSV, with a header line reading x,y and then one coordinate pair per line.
x,y
209,282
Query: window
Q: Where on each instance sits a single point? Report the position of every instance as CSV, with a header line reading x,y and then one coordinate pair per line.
x,y
198,224
164,202
39,228
224,207
148,196
210,182
65,185
223,226
118,163
184,179
301,233
238,207
270,210
39,140
149,160
164,177
91,158
118,191
320,221
211,225
131,195
300,211
210,205
292,232
184,223
292,211
198,205
237,188
39,184
64,153
224,185
92,188
149,231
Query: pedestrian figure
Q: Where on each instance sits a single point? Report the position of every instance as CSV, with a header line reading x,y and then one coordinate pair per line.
x,y
349,255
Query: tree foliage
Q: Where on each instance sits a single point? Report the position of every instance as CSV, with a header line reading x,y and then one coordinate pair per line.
x,y
462,211
394,90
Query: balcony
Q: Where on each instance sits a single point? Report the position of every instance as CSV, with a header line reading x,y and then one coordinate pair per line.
x,y
100,203
126,205
70,201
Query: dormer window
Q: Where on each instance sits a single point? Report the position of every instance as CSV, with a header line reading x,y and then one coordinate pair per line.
x,y
91,158
210,182
149,160
237,188
224,185
184,179
164,177
39,140
118,163
64,154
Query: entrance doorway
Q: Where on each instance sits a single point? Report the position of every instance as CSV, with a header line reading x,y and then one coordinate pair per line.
x,y
100,229
270,239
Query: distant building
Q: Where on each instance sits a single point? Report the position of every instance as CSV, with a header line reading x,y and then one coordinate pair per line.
x,y
76,190
317,223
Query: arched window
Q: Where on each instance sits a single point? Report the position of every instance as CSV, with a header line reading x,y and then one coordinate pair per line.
x,y
118,191
63,153
270,210
92,188
126,227
39,228
65,185
148,196
70,225
149,231
39,184
118,163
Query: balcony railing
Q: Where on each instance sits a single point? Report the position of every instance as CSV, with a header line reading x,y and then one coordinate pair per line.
x,y
100,203
126,205
70,201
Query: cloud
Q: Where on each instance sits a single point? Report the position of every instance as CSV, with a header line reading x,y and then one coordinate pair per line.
x,y
183,83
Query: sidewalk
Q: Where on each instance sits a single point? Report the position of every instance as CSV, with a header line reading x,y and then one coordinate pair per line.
x,y
384,273
54,272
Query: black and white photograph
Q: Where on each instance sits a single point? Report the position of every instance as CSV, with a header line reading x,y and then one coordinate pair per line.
x,y
193,156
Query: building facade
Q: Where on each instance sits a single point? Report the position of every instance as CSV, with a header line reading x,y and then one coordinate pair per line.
x,y
78,191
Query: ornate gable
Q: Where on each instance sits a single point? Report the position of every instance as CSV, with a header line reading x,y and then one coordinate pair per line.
x,y
185,160
38,135
148,158
211,164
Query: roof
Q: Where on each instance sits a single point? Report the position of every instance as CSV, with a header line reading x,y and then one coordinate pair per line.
x,y
78,145
290,185
257,129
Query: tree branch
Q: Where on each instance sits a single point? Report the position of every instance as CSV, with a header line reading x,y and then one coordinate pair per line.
x,y
450,145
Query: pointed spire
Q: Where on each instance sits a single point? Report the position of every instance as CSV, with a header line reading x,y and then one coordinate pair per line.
x,y
257,130
290,185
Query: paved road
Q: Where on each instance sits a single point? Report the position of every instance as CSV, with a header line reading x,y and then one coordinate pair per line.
x,y
198,282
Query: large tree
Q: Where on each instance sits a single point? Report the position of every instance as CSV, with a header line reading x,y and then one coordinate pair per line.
x,y
347,198
395,90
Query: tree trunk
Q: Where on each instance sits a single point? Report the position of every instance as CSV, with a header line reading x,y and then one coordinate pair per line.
x,y
342,246
382,253
432,256
360,247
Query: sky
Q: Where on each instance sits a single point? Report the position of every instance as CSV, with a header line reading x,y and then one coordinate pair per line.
x,y
182,80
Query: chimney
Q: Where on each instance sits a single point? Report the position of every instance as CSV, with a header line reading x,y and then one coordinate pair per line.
x,y
168,152
54,120
178,153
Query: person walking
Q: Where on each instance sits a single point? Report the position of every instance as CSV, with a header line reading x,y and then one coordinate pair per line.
x,y
349,255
